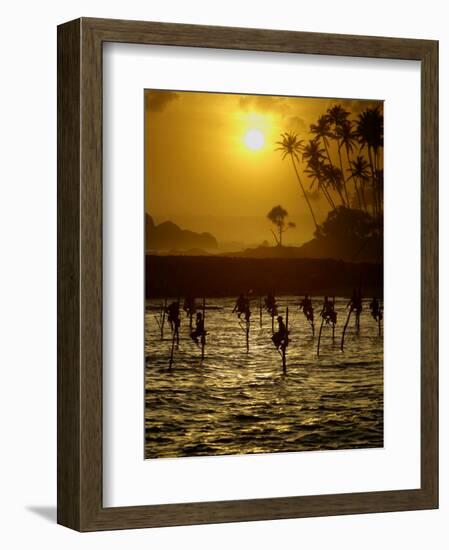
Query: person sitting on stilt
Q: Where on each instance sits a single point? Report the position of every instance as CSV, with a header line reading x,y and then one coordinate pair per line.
x,y
280,337
307,308
247,313
189,305
199,329
270,305
241,305
376,311
328,312
173,315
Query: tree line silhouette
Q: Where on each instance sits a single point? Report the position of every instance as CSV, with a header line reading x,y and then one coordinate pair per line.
x,y
334,136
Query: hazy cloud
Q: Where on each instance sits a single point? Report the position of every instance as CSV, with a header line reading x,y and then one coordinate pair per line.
x,y
265,103
356,106
156,101
296,124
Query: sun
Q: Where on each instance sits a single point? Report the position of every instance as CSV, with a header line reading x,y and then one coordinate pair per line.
x,y
254,139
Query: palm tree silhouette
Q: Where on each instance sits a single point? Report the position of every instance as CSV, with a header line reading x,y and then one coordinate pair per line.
x,y
360,173
323,131
313,154
334,177
292,146
347,137
338,117
370,133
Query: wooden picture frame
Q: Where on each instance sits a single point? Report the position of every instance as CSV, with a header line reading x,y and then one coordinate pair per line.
x,y
80,503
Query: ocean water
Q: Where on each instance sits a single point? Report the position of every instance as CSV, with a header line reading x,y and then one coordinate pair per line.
x,y
239,401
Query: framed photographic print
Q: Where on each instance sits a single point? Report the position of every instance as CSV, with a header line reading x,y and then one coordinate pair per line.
x,y
247,289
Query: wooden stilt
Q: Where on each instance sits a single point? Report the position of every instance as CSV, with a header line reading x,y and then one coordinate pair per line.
x,y
319,338
163,318
344,330
172,348
285,344
333,323
260,311
203,336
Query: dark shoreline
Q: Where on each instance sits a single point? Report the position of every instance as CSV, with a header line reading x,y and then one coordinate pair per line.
x,y
218,276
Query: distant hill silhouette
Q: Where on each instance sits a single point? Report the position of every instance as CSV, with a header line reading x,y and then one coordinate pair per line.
x,y
346,234
168,236
347,249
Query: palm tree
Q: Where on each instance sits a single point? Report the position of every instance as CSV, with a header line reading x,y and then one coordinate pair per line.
x,y
338,117
360,173
323,131
277,216
347,137
313,154
370,133
334,177
380,188
292,146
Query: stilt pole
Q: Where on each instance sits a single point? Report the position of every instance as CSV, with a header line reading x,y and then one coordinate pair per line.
x,y
163,318
260,311
203,336
333,323
178,323
172,348
344,330
319,338
285,344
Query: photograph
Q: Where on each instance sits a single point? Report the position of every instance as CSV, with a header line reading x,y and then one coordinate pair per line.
x,y
264,273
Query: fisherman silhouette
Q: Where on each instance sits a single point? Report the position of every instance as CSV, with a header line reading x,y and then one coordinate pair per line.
x,y
328,312
307,307
280,338
189,305
199,329
173,315
270,304
247,313
355,303
375,308
241,305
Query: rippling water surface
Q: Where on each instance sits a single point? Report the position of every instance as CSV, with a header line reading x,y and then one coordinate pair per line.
x,y
237,402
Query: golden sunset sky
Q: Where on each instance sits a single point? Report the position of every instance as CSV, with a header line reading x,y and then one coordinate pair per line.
x,y
211,164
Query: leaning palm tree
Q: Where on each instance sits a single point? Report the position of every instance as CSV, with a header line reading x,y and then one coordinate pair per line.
x,y
323,131
291,146
313,154
334,177
338,118
347,138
